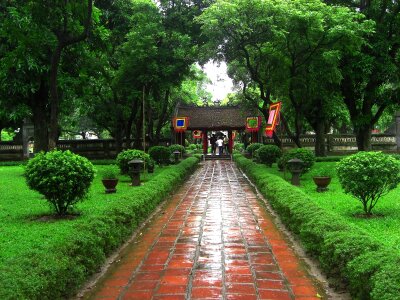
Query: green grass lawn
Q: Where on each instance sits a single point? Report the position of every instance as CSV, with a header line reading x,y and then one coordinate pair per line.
x,y
20,210
385,228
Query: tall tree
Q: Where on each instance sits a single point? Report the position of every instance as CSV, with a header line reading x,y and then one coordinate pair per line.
x,y
34,35
371,77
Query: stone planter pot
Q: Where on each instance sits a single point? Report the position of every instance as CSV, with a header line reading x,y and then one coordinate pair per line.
x,y
322,183
110,185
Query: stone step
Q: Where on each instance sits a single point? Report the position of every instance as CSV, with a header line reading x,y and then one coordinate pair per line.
x,y
218,157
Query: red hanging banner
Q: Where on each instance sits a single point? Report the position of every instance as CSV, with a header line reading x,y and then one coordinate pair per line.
x,y
180,124
273,118
197,134
253,124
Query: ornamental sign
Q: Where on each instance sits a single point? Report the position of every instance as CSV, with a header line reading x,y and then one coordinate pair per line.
x,y
197,134
253,124
180,124
273,118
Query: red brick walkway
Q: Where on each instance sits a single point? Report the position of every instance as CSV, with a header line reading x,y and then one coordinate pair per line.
x,y
213,241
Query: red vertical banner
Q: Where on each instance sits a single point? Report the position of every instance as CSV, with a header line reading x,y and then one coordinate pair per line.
x,y
273,118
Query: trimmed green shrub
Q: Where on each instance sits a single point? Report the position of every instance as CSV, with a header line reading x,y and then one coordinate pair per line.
x,y
328,158
346,252
268,154
238,147
160,154
322,172
63,178
127,155
305,155
178,147
368,176
253,147
192,147
58,268
111,172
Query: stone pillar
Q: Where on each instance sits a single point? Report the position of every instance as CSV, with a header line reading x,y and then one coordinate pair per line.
x,y
398,130
205,142
27,136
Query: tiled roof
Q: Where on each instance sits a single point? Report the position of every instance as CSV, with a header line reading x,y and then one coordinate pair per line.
x,y
215,117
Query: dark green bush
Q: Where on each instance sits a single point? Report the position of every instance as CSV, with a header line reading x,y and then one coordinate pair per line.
x,y
126,156
178,147
305,155
345,251
368,176
253,147
160,154
63,178
268,154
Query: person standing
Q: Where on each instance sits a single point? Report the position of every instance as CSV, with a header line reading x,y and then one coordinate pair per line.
x,y
213,141
226,144
220,144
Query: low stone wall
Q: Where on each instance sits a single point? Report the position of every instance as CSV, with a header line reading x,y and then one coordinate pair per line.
x,y
92,149
342,144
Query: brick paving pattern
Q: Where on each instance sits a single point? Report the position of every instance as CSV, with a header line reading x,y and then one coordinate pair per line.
x,y
213,241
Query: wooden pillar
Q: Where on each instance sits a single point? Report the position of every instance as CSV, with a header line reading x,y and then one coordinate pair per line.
x,y
254,137
205,142
230,136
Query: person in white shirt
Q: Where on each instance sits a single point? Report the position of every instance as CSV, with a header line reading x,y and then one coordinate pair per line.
x,y
220,144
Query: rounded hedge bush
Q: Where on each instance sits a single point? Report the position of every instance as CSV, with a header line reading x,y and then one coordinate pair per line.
x,y
192,147
160,154
178,147
305,155
268,154
253,148
127,155
368,176
63,178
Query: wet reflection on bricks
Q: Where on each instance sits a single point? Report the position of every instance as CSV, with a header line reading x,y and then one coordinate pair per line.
x,y
213,240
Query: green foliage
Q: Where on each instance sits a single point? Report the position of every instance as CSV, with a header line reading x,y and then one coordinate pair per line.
x,y
253,147
268,154
176,147
127,155
52,260
305,155
238,147
368,176
321,171
192,147
346,251
7,135
63,178
328,158
111,172
160,154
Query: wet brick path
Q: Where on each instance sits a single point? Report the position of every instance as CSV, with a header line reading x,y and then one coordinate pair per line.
x,y
213,240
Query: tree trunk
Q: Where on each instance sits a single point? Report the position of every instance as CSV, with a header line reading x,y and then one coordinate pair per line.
x,y
363,137
320,145
54,101
162,117
40,117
